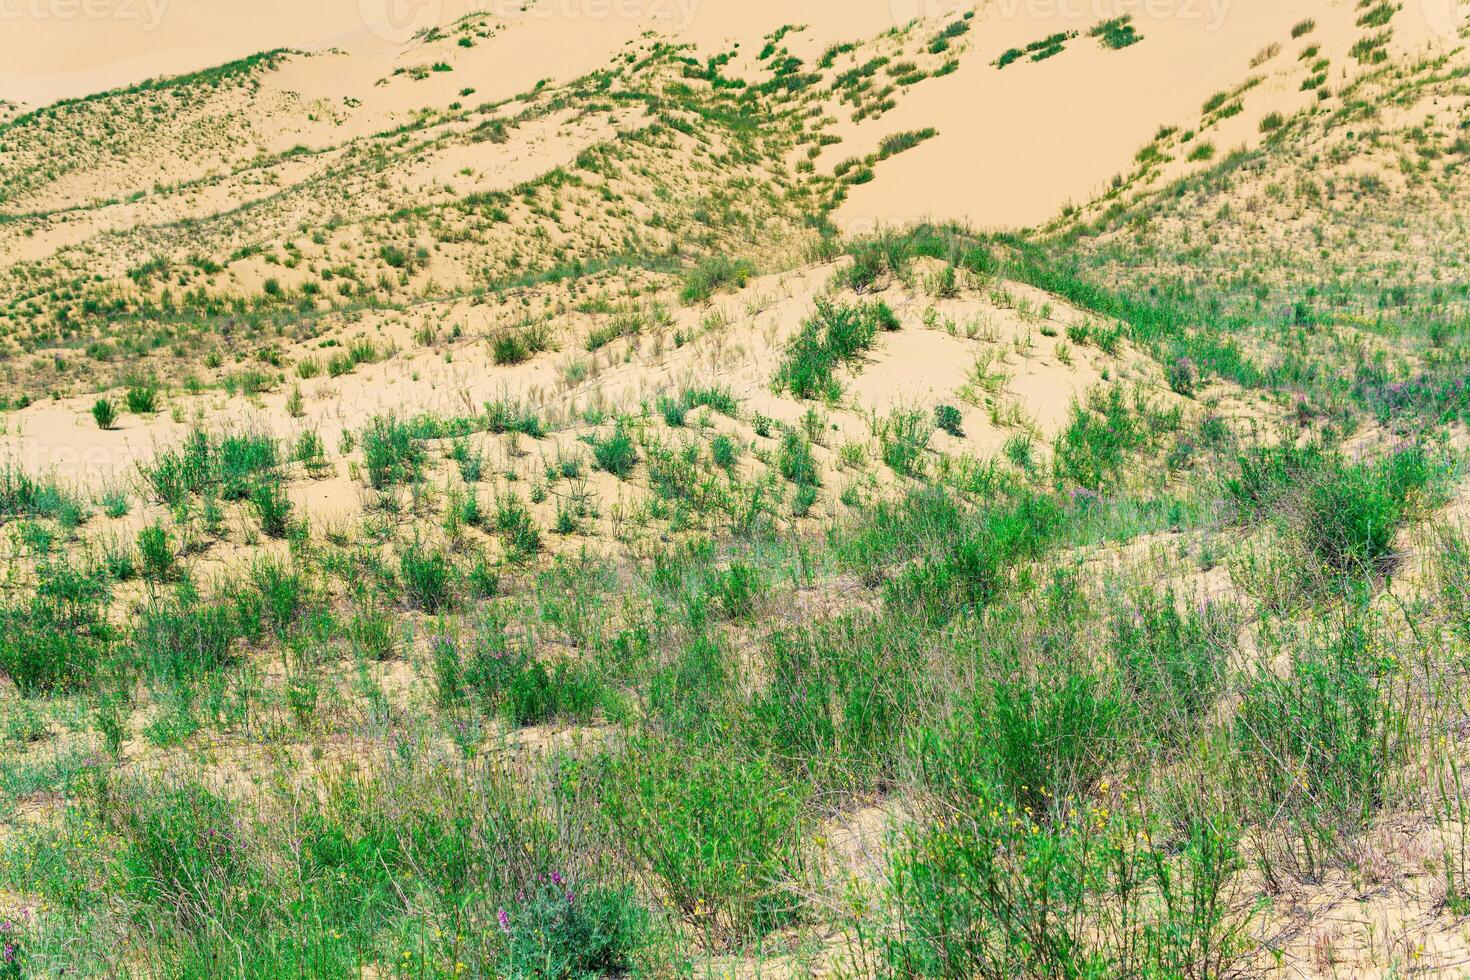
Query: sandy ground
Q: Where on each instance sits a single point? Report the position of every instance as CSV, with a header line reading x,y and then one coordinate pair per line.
x,y
1014,145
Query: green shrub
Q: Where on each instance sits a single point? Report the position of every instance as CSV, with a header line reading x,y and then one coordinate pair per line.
x,y
22,495
1202,150
504,416
614,453
557,927
183,638
272,508
1117,33
510,348
720,830
374,633
156,549
241,460
1182,376
718,398
1350,520
904,437
735,590
713,274
796,461
1316,745
142,399
835,335
873,258
427,577
1094,449
523,688
674,412
971,565
283,594
57,639
1171,662
724,451
896,143
517,528
1268,474
842,699
184,856
978,889
1345,515
948,419
104,413
392,452
231,465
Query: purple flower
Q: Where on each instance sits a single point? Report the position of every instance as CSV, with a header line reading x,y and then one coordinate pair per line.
x,y
570,898
1083,497
556,877
504,920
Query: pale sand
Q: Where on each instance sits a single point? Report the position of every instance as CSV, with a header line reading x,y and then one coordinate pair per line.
x,y
1014,145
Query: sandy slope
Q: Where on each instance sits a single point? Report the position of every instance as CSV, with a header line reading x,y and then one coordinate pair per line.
x,y
1014,145
55,53
1017,144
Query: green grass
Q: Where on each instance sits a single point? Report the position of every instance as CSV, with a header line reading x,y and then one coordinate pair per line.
x,y
229,465
1117,33
602,702
392,452
713,275
719,832
836,335
614,452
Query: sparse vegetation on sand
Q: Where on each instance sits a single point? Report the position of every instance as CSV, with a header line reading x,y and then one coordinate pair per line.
x,y
528,539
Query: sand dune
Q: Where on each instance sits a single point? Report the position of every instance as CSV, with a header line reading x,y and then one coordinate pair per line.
x,y
746,488
1014,146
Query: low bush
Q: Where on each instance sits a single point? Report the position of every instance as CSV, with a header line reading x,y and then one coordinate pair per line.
x,y
614,453
57,639
835,335
712,275
392,452
427,577
720,830
104,413
142,399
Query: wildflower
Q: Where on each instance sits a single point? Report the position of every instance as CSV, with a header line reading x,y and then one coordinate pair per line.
x,y
556,878
504,920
